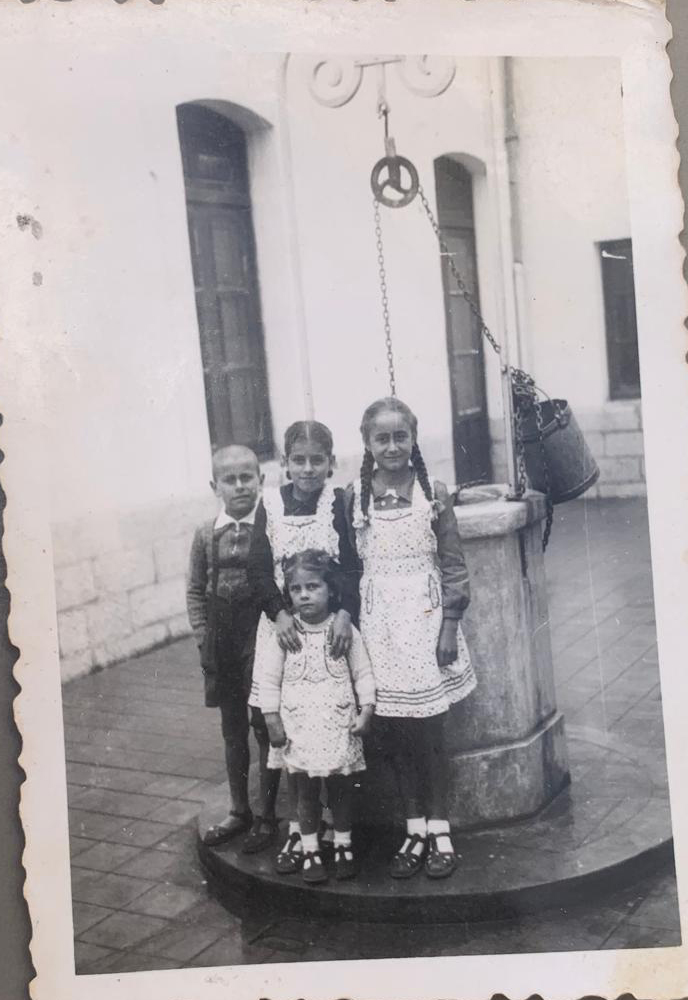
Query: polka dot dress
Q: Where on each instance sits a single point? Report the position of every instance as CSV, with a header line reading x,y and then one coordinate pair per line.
x,y
317,708
401,611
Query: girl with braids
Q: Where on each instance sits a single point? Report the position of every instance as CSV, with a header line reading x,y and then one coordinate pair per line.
x,y
414,590
306,513
309,699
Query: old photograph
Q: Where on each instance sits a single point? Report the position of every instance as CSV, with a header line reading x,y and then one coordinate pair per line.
x,y
343,462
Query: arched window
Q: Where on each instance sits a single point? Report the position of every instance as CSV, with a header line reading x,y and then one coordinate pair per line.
x,y
454,187
225,275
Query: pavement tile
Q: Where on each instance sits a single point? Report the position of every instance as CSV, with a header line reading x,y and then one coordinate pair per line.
x,y
106,889
630,935
140,833
176,811
172,787
109,777
79,844
228,950
128,804
85,915
657,911
132,961
92,825
124,930
152,864
211,911
178,841
106,857
86,955
180,942
166,900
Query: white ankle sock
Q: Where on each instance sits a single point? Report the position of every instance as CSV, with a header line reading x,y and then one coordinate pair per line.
x,y
415,825
294,827
342,838
309,841
440,827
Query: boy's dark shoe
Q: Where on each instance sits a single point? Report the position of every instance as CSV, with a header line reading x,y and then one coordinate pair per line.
x,y
223,832
261,835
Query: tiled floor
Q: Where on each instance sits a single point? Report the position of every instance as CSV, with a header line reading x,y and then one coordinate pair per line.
x,y
143,754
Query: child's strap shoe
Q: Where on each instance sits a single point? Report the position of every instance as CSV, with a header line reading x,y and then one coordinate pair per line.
x,y
439,864
290,858
314,870
407,862
344,867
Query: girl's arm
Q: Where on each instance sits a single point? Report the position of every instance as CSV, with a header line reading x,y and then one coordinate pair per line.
x,y
196,586
270,691
348,557
261,577
261,568
363,681
456,593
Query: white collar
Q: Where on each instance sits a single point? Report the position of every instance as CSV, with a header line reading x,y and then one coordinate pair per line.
x,y
223,518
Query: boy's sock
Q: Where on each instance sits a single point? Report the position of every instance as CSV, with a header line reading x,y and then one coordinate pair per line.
x,y
342,838
415,825
440,827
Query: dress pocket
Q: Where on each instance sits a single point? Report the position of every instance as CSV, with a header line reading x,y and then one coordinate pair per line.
x,y
434,592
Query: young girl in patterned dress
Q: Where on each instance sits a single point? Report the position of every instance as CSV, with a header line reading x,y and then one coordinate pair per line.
x,y
308,698
307,513
414,590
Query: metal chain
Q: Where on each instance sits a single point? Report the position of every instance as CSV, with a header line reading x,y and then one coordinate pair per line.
x,y
384,298
523,386
460,284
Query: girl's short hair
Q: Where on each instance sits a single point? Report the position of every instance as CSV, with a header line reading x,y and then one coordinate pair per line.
x,y
308,430
315,561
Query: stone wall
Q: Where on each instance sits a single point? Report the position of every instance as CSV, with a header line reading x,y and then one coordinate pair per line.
x,y
614,435
120,582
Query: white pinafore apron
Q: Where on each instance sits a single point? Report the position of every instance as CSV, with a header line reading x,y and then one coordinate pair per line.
x,y
289,534
401,611
318,709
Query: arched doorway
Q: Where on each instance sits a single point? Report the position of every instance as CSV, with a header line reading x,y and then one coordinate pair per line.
x,y
454,187
225,275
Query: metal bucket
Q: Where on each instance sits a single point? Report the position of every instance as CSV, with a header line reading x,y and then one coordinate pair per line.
x,y
572,468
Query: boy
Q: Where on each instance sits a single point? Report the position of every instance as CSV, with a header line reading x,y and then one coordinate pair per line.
x,y
224,614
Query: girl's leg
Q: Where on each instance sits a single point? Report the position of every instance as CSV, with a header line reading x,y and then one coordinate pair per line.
x,y
309,819
434,766
340,797
441,859
290,857
402,752
308,805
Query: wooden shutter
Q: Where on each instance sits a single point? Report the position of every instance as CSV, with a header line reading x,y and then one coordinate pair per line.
x,y
225,279
616,258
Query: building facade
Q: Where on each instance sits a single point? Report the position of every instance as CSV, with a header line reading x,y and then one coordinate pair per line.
x,y
214,224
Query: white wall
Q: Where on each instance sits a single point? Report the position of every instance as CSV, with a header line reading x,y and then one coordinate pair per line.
x,y
572,188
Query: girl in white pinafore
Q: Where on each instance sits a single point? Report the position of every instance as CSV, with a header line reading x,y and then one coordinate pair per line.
x,y
414,590
307,513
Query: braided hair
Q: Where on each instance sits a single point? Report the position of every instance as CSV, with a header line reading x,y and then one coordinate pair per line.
x,y
390,404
